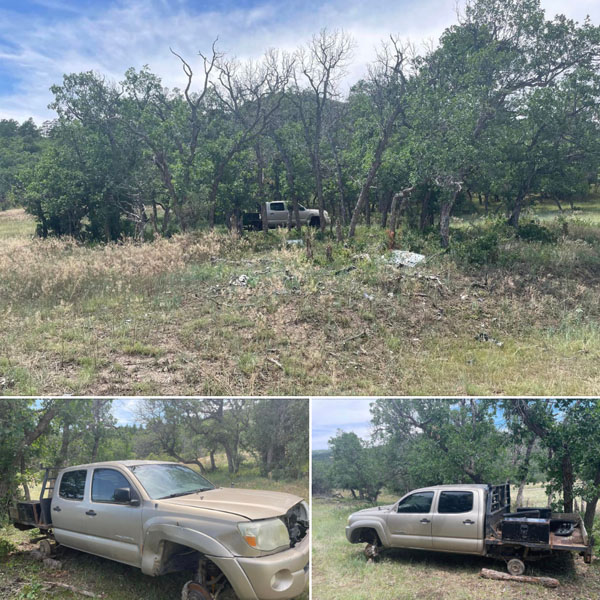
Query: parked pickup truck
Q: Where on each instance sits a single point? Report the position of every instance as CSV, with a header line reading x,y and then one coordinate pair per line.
x,y
164,517
278,215
469,519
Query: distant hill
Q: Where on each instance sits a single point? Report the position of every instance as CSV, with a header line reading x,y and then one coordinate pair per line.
x,y
321,455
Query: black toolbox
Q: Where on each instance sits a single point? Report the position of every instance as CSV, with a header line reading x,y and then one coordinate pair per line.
x,y
525,529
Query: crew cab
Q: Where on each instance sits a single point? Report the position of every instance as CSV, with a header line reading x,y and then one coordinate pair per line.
x,y
469,519
280,214
163,517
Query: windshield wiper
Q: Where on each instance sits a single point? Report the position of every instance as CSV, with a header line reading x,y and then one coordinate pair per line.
x,y
184,493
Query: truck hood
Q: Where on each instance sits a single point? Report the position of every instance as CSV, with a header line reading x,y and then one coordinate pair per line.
x,y
251,504
376,510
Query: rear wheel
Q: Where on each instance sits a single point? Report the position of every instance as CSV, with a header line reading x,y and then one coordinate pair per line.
x,y
515,566
47,548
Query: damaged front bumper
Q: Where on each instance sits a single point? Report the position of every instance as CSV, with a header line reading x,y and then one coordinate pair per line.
x,y
279,576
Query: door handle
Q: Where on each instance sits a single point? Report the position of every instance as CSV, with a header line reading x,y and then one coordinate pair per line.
x,y
425,521
468,522
91,513
57,508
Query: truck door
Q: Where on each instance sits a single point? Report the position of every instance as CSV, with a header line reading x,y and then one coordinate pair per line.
x,y
277,213
458,522
68,508
410,524
114,528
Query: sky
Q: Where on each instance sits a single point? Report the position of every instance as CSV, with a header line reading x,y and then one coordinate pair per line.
x,y
346,414
124,410
40,40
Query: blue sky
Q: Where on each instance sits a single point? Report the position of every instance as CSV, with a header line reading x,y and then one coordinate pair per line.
x,y
42,39
332,414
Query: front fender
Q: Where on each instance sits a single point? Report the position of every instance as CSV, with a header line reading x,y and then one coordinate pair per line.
x,y
152,553
368,524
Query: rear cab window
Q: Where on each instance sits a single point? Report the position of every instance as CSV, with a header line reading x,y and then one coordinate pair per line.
x,y
277,206
72,485
454,502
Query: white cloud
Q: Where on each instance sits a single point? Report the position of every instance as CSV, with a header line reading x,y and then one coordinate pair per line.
x,y
346,414
37,51
125,410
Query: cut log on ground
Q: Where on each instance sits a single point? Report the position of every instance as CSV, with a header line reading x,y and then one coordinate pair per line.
x,y
545,581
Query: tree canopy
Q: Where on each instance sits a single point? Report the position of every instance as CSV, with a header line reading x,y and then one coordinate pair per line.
x,y
505,106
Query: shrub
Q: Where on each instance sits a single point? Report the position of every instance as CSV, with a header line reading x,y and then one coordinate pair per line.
x,y
6,547
534,232
479,250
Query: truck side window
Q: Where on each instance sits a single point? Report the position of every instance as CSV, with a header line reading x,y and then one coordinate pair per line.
x,y
72,485
277,206
455,502
104,484
300,208
416,503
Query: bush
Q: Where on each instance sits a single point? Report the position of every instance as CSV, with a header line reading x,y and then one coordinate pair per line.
x,y
479,250
534,232
6,547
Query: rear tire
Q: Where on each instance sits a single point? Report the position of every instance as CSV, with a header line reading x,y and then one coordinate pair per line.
x,y
515,566
46,548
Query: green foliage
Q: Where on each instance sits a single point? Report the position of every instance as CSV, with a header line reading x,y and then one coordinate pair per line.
x,y
6,547
357,466
322,480
534,232
278,433
478,250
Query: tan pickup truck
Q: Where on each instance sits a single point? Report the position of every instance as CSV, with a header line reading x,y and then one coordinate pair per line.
x,y
164,517
469,519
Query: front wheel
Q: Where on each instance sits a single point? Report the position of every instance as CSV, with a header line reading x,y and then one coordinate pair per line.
x,y
195,591
315,222
515,566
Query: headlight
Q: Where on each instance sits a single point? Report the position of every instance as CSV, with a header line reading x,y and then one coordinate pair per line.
x,y
265,535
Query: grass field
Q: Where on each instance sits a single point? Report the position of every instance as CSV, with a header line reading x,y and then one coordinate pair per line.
x,y
340,570
22,578
174,317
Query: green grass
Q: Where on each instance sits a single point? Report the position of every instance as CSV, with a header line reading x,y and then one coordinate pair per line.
x,y
22,578
341,572
15,223
168,318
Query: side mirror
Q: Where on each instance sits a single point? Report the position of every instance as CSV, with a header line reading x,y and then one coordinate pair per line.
x,y
123,496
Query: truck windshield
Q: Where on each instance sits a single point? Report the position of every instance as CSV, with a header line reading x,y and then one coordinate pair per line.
x,y
169,481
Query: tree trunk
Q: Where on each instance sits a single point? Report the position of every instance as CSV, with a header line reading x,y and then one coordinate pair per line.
x,y
213,464
364,191
24,479
445,224
567,482
393,217
524,471
590,509
513,220
385,209
425,216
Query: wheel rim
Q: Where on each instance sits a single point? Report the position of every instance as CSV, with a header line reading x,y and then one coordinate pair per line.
x,y
516,566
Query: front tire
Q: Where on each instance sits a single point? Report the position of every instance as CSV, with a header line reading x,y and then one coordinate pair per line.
x,y
194,591
315,222
515,566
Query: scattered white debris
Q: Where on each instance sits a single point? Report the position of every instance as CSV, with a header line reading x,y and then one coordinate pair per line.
x,y
368,296
403,258
295,242
242,280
